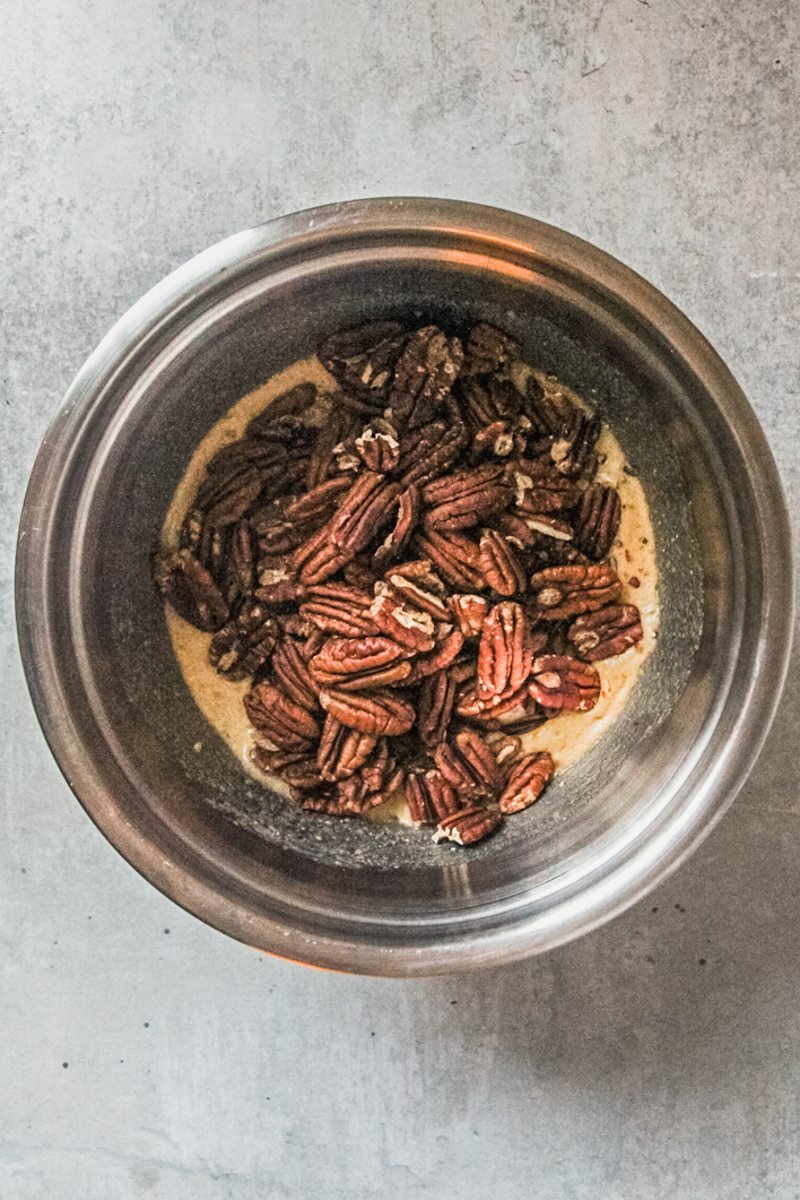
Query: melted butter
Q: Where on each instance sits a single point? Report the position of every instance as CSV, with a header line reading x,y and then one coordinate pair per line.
x,y
567,737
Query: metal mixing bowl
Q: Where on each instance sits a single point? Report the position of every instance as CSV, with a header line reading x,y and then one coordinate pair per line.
x,y
348,894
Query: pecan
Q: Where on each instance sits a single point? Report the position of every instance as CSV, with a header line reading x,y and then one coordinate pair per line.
x,y
342,751
318,559
337,608
469,764
430,452
243,559
501,568
363,512
470,613
548,526
597,520
496,438
573,451
285,724
289,404
515,529
560,592
423,376
339,425
277,580
361,572
436,699
363,360
408,509
539,488
560,682
461,500
380,713
378,447
505,749
488,349
408,625
381,772
190,589
430,797
446,650
526,782
454,555
488,400
236,500
468,826
505,650
245,643
417,583
551,411
319,503
360,664
291,670
513,708
606,632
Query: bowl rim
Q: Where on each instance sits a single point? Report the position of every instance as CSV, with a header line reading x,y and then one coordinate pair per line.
x,y
660,854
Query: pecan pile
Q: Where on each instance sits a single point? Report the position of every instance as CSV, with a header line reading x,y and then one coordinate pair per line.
x,y
411,569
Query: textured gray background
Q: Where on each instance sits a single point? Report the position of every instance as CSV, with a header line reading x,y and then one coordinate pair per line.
x,y
144,1054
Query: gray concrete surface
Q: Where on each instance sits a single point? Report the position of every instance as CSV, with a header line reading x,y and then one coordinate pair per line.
x,y
145,1055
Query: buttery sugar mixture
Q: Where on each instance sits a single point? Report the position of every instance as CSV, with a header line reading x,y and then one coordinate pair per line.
x,y
567,737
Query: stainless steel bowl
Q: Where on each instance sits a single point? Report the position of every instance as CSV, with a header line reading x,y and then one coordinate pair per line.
x,y
348,895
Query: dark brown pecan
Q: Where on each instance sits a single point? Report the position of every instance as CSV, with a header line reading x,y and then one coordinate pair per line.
x,y
559,592
515,529
290,668
573,451
363,512
409,626
430,452
488,400
408,510
454,555
363,360
417,583
362,572
468,826
318,559
606,632
380,713
315,506
289,404
337,608
560,682
245,643
277,580
378,447
236,500
505,650
339,425
287,725
303,768
469,765
496,438
360,664
430,797
436,699
446,650
550,410
470,613
465,498
539,488
489,349
526,782
342,751
423,376
597,520
190,589
501,568
242,555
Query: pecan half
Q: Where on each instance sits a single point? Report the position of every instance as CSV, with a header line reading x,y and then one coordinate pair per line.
x,y
468,826
430,797
597,520
245,643
463,499
488,400
418,584
436,699
342,751
190,589
363,360
339,425
572,452
505,650
430,452
337,608
606,632
277,580
380,713
526,782
446,650
318,503
291,670
407,625
289,404
408,510
423,376
560,592
501,568
378,447
469,764
319,559
470,613
539,488
560,682
287,725
363,512
360,664
455,556
489,349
